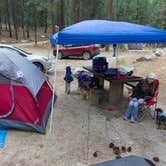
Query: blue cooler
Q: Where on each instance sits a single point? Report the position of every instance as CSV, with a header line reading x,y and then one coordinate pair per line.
x,y
100,64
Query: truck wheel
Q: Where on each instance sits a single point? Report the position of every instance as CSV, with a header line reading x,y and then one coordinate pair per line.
x,y
60,55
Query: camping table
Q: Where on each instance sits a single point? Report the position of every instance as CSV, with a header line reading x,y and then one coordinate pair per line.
x,y
116,85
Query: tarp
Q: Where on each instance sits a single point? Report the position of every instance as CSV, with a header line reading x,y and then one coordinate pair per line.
x,y
127,161
3,134
108,32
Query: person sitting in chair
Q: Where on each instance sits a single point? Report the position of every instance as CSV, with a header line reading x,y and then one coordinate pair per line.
x,y
143,92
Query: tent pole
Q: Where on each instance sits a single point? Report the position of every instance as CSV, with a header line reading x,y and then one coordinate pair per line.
x,y
54,85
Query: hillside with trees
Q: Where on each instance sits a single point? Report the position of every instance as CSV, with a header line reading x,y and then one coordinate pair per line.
x,y
21,19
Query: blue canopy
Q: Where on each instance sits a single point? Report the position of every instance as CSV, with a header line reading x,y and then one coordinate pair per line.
x,y
108,32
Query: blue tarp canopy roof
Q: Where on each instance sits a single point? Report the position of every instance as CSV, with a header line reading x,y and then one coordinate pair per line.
x,y
108,32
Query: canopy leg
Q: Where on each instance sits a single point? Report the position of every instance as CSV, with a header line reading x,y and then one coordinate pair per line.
x,y
54,85
48,55
115,53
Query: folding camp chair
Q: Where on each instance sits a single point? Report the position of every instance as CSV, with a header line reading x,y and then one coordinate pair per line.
x,y
148,108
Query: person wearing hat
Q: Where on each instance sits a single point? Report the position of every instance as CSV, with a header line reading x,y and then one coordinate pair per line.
x,y
68,79
143,92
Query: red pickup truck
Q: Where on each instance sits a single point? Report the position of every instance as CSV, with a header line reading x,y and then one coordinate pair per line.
x,y
83,51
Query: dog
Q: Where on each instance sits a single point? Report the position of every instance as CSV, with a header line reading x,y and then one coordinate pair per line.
x,y
160,119
158,113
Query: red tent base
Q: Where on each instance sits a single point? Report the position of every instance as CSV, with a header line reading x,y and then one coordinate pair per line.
x,y
27,114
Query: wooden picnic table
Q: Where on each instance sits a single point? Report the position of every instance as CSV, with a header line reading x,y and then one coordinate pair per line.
x,y
116,85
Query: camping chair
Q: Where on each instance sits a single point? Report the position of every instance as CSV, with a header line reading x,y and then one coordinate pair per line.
x,y
147,108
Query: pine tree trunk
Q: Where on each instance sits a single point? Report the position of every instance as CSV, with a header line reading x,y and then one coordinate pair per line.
x,y
165,18
35,26
62,4
72,14
8,18
110,10
45,24
16,32
137,11
74,11
27,31
6,24
0,27
52,16
22,20
13,3
45,27
110,16
23,31
35,34
78,11
93,11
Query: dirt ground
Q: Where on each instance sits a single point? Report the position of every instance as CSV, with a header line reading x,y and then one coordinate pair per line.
x,y
79,128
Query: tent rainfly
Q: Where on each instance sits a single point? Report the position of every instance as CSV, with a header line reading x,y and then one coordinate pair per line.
x,y
26,96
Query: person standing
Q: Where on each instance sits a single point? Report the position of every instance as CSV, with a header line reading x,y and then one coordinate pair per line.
x,y
68,79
